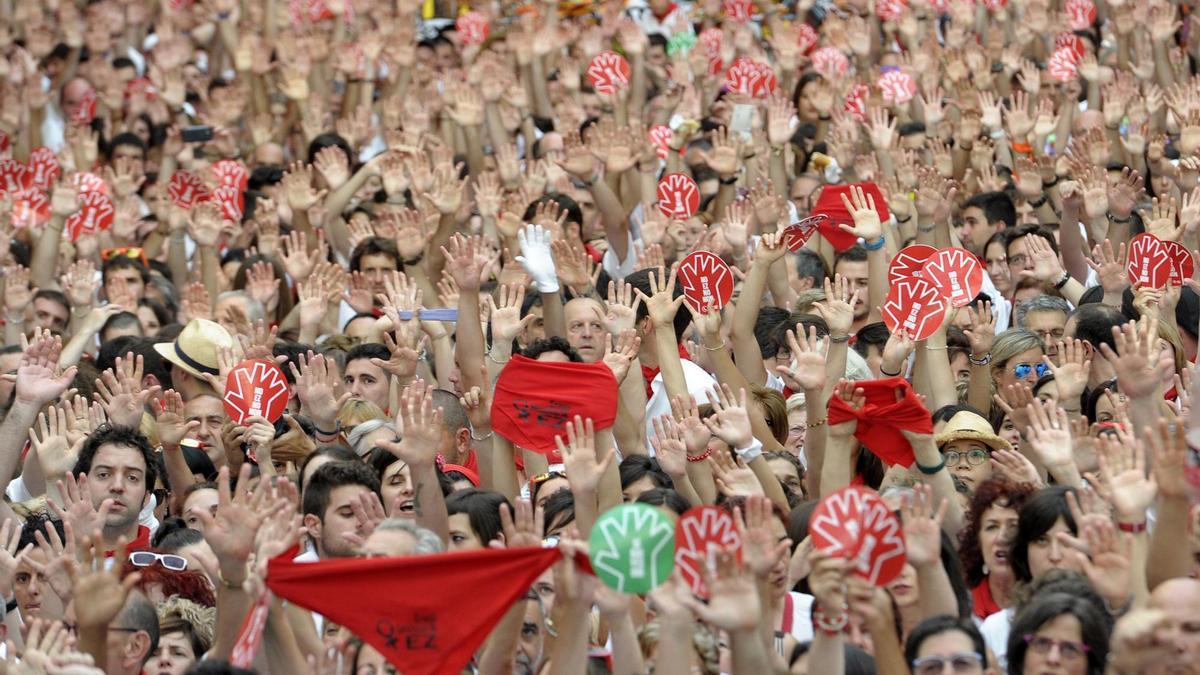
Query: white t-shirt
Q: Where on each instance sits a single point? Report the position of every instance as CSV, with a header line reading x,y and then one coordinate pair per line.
x,y
698,381
995,630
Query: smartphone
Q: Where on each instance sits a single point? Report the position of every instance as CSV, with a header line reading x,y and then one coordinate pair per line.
x,y
197,134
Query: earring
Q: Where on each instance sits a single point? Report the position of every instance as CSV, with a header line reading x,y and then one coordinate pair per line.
x,y
985,569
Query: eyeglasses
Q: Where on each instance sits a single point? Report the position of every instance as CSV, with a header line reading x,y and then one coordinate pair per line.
x,y
1067,648
974,457
963,662
174,563
1022,370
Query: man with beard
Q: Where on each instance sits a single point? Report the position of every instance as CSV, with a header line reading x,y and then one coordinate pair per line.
x,y
116,472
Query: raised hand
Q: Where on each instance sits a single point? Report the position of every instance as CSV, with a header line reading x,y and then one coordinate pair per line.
x,y
11,553
1049,434
853,396
669,447
522,526
761,549
923,526
1014,400
1071,373
317,384
733,603
838,307
537,259
231,531
1123,471
98,589
695,434
619,358
732,476
806,370
121,393
982,331
51,441
661,304
583,466
866,219
17,291
1105,557
1137,362
731,419
506,321
621,310
419,425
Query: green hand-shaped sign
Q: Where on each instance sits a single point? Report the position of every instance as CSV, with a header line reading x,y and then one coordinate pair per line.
x,y
632,548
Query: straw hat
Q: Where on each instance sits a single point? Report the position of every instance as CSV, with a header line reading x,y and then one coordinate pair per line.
x,y
195,350
968,426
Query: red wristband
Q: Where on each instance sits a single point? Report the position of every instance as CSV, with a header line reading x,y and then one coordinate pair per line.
x,y
700,457
1135,528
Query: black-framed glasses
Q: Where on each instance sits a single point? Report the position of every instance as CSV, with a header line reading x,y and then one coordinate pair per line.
x,y
170,561
962,662
974,457
1069,649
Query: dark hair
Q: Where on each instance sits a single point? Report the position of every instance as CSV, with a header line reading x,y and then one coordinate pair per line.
x,y
565,204
666,498
640,280
943,624
996,206
152,362
986,495
121,320
1036,516
962,594
1092,400
483,511
1094,629
1094,323
128,138
765,324
214,667
53,296
126,436
561,504
39,522
855,253
1027,230
121,262
334,475
636,467
338,453
162,313
330,139
367,350
944,413
875,333
374,246
804,321
174,534
551,344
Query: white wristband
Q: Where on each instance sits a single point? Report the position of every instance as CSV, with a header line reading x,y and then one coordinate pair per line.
x,y
751,452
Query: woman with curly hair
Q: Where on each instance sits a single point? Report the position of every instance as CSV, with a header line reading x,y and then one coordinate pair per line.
x,y
985,539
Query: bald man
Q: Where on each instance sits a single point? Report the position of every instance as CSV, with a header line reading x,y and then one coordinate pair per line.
x,y
1164,637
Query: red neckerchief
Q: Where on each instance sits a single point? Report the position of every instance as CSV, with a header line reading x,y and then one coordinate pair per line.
x,y
648,373
670,8
593,253
140,543
985,605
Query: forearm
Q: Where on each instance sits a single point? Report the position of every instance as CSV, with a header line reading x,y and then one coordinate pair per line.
x,y
675,651
701,480
504,468
626,654
979,389
827,653
889,655
669,363
552,315
612,215
429,506
570,652
771,486
73,351
836,470
45,254
177,258
1167,558
745,315
937,595
93,641
469,340
608,494
937,368
926,454
13,434
629,430
279,646
749,652
210,270
232,606
501,646
179,476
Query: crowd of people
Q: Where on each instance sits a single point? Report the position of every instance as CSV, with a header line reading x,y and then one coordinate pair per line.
x,y
447,231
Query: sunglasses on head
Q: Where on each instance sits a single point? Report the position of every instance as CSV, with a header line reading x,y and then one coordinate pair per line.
x,y
1022,370
131,252
147,558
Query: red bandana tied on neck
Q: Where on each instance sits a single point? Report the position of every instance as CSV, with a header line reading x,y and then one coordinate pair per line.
x,y
534,400
387,603
882,418
648,373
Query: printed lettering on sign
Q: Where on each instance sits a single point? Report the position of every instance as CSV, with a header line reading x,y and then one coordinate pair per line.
x,y
705,278
916,306
855,523
956,273
255,388
1182,264
43,168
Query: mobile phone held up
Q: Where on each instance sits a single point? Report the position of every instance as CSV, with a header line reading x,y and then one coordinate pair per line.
x,y
196,134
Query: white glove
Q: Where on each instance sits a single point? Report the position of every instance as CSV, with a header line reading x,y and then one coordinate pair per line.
x,y
536,259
